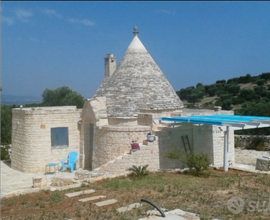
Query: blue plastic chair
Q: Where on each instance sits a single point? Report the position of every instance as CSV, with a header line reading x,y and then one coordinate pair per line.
x,y
71,161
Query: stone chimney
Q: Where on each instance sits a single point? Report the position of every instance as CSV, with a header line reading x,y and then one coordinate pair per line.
x,y
110,65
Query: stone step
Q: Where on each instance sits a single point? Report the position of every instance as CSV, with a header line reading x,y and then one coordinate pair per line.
x,y
80,193
92,198
106,202
129,207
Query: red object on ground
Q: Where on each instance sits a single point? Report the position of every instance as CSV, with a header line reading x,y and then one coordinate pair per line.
x,y
135,146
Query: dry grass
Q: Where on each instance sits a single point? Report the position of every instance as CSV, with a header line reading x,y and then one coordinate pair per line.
x,y
207,197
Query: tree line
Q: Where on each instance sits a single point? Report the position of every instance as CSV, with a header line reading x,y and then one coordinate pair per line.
x,y
229,92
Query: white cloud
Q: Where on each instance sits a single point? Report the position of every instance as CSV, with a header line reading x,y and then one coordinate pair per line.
x,y
19,14
51,12
81,21
7,20
165,12
23,14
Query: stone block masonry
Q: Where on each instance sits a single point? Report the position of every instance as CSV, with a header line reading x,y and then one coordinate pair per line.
x,y
205,139
31,136
112,141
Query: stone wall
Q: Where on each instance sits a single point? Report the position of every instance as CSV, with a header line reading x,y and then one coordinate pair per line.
x,y
245,156
242,141
205,139
112,141
31,136
147,155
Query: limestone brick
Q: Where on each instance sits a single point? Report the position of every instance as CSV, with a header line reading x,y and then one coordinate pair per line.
x,y
112,141
31,136
207,139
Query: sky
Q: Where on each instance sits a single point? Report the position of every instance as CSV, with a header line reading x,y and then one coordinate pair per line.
x,y
48,44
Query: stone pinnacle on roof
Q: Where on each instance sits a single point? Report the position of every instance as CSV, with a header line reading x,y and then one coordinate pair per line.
x,y
135,31
136,84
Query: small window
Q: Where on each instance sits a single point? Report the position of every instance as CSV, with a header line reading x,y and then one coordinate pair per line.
x,y
59,136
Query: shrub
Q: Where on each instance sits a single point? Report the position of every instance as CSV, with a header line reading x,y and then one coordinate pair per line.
x,y
233,80
226,104
198,164
208,105
260,82
265,76
237,100
173,155
138,172
56,197
211,90
223,81
5,152
257,143
237,143
244,79
192,106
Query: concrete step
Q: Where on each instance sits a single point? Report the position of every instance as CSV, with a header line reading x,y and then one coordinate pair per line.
x,y
80,193
92,198
106,202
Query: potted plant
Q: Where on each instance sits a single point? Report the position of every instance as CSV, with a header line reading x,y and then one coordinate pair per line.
x,y
150,137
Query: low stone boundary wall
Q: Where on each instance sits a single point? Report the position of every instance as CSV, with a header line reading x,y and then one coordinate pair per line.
x,y
242,141
249,156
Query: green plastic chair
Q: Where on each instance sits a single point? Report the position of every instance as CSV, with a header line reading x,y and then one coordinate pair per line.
x,y
71,161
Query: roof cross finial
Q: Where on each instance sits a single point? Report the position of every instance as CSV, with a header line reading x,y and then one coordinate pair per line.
x,y
135,31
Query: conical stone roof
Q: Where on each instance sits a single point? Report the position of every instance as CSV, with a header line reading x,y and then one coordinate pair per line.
x,y
137,83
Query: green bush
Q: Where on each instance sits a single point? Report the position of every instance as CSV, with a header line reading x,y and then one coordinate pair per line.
x,y
223,81
208,105
173,155
6,124
237,143
258,143
233,80
138,172
198,164
5,153
56,197
260,82
265,76
192,106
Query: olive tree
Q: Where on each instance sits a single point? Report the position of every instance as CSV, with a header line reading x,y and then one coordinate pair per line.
x,y
62,96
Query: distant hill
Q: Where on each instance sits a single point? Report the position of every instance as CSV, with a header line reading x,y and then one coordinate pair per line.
x,y
231,94
19,100
246,95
